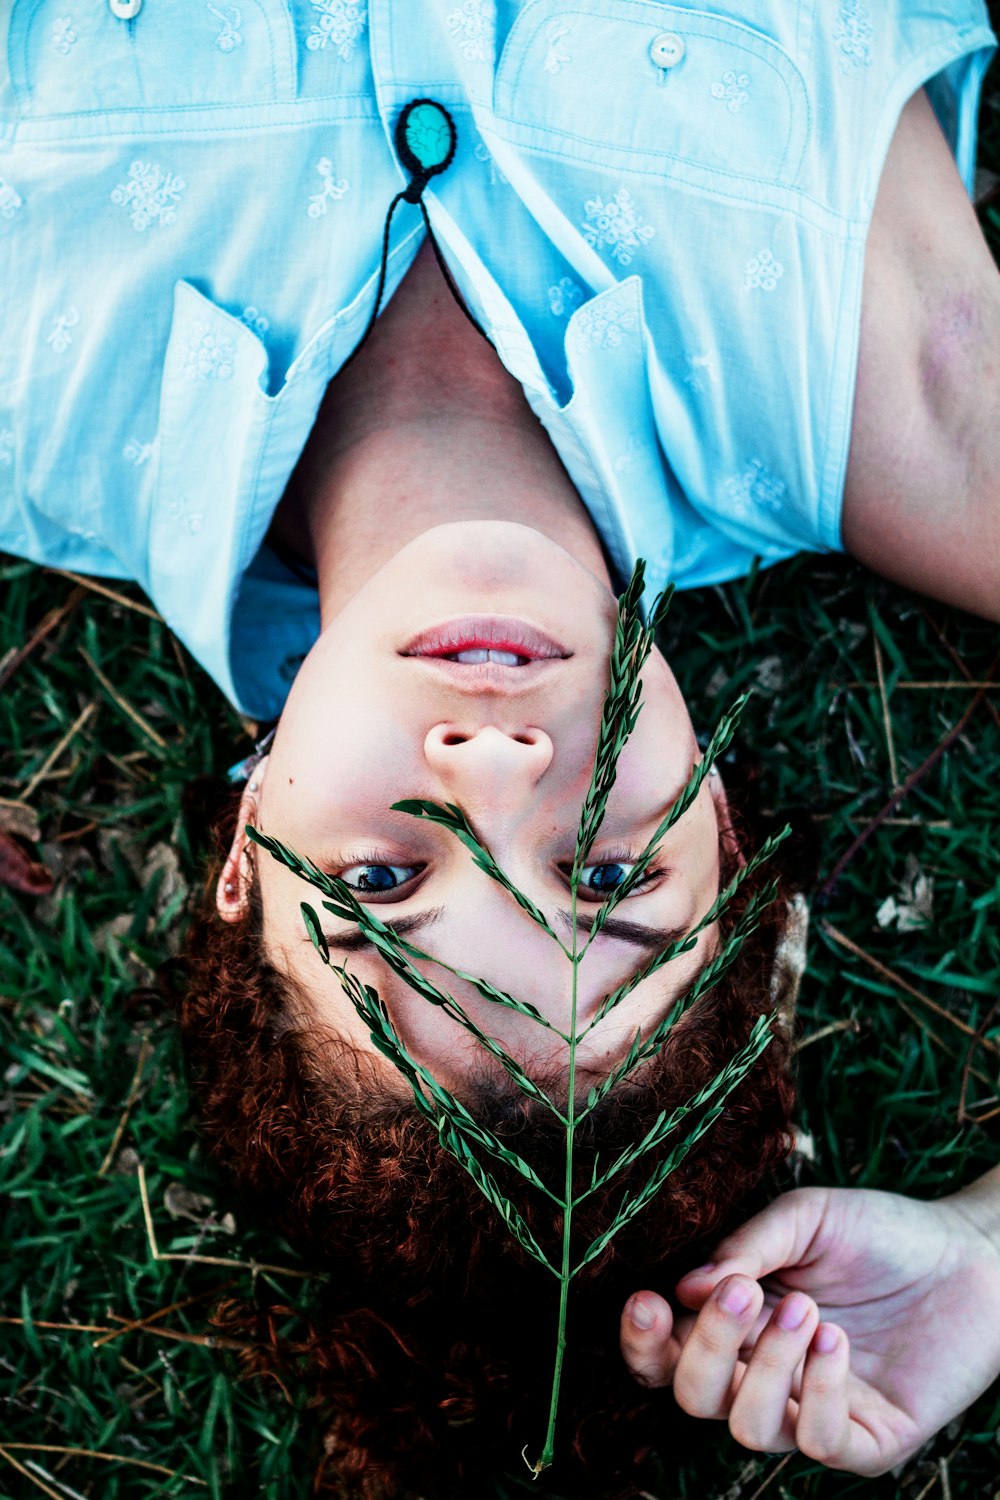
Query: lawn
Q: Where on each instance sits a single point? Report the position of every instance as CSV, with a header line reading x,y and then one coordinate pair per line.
x,y
120,1237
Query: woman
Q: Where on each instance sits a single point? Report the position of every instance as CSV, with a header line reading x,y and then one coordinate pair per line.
x,y
663,233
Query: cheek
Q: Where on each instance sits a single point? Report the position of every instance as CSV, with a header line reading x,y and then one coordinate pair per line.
x,y
363,762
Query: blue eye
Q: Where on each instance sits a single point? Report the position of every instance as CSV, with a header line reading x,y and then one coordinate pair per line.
x,y
602,879
377,879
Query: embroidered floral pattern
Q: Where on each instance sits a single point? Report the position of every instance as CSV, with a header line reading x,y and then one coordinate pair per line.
x,y
554,59
764,272
625,461
138,453
207,356
255,321
333,189
853,33
150,195
472,27
179,509
604,326
230,20
701,367
755,486
64,37
340,24
10,201
482,154
565,297
6,447
616,225
733,90
59,335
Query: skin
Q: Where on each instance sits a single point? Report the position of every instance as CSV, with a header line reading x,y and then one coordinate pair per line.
x,y
428,428
849,1324
921,499
899,1300
485,521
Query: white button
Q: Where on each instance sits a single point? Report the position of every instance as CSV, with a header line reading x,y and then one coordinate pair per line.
x,y
666,50
125,10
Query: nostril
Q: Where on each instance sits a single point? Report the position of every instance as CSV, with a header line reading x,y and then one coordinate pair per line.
x,y
523,739
453,739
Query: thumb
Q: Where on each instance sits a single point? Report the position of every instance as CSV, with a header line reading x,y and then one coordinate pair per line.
x,y
780,1236
648,1347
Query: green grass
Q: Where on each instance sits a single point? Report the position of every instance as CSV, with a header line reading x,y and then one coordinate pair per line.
x,y
82,978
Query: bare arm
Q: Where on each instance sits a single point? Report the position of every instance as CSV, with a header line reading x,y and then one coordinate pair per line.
x,y
922,497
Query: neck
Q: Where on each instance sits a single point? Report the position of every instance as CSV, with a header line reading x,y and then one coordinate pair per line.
x,y
424,427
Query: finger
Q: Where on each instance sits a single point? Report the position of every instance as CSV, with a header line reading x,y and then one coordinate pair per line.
x,y
782,1235
760,1417
706,1368
826,1429
823,1429
647,1345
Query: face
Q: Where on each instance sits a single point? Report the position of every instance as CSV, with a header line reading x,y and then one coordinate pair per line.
x,y
378,713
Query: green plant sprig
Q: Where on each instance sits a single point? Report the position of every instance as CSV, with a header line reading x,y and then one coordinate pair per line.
x,y
438,1104
645,1048
453,818
690,939
457,1130
622,702
733,1074
718,743
665,1124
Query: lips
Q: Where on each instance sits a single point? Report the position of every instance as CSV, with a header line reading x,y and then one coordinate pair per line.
x,y
494,641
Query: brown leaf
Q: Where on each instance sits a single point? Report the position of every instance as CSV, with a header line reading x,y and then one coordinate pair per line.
x,y
19,872
15,817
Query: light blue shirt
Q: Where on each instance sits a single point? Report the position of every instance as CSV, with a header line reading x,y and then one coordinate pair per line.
x,y
658,213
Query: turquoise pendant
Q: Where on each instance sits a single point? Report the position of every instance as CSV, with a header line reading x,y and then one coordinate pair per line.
x,y
425,143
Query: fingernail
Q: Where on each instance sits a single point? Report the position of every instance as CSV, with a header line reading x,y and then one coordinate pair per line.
x,y
641,1314
736,1298
793,1313
704,1270
827,1338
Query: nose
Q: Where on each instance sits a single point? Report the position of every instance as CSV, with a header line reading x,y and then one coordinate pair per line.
x,y
488,764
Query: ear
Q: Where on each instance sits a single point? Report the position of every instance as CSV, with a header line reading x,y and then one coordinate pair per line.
x,y
232,893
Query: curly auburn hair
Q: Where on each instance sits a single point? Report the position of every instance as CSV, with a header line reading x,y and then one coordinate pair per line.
x,y
430,1351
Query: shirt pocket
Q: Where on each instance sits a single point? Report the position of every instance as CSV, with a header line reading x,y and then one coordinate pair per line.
x,y
652,88
173,54
226,447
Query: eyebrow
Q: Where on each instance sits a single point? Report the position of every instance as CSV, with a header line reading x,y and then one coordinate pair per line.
x,y
354,941
650,939
637,934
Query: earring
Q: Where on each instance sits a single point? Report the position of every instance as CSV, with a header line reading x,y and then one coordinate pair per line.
x,y
229,888
252,786
713,769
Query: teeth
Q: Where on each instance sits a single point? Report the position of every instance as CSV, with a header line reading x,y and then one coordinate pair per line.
x,y
477,656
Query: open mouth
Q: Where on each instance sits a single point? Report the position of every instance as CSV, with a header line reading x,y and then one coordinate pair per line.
x,y
477,656
486,640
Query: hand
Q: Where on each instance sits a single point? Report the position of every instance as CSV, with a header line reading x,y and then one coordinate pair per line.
x,y
868,1321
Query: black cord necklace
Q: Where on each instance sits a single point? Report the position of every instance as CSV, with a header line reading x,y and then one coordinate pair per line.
x,y
426,138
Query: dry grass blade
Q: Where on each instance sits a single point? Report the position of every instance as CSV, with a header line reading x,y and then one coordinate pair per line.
x,y
52,758
907,786
38,1483
145,1049
190,1258
93,586
18,655
122,703
903,984
111,1458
